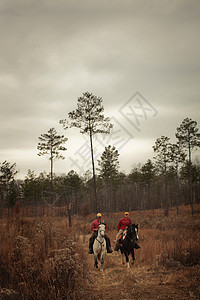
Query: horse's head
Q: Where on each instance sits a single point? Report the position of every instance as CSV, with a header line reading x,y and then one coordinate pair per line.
x,y
102,228
133,231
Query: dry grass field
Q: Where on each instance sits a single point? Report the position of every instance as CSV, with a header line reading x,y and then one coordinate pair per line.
x,y
42,258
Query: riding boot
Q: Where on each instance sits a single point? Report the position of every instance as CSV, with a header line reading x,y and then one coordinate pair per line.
x,y
117,246
109,250
108,247
91,246
136,246
90,251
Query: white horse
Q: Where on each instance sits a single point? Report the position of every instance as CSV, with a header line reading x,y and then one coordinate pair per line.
x,y
99,246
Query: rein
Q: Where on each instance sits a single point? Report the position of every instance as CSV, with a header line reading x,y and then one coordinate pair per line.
x,y
99,241
101,237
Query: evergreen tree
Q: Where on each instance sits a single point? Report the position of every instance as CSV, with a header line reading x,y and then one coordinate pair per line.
x,y
8,187
51,144
89,118
163,149
189,138
109,172
135,174
148,171
31,186
195,171
109,164
177,156
163,158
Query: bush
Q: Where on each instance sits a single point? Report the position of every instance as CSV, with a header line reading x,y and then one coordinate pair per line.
x,y
38,260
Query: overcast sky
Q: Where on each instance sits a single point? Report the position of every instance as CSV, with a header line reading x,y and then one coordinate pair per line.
x,y
142,58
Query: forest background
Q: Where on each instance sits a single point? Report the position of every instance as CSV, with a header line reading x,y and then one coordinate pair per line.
x,y
172,179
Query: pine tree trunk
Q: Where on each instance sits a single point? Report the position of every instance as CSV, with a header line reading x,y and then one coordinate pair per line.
x,y
52,188
166,196
94,177
190,181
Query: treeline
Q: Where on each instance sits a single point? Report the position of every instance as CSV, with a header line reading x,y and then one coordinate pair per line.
x,y
171,179
143,188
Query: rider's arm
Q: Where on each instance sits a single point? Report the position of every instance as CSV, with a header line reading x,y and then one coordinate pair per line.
x,y
119,225
93,227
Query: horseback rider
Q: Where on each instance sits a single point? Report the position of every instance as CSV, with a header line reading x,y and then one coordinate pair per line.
x,y
94,228
121,228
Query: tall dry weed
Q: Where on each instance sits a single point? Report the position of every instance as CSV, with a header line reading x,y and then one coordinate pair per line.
x,y
39,260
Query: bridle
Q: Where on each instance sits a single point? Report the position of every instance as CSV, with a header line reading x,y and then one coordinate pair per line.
x,y
101,236
99,241
133,234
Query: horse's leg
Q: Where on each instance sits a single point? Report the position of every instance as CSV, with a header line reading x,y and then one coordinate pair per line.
x,y
122,255
133,256
95,261
102,261
127,260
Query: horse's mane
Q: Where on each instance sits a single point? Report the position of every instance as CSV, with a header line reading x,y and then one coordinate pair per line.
x,y
129,229
132,226
102,222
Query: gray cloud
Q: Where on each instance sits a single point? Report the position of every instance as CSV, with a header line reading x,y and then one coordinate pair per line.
x,y
51,52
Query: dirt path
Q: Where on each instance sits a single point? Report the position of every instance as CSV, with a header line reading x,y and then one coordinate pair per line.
x,y
138,282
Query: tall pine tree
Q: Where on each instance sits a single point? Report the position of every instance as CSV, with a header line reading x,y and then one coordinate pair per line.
x,y
89,118
51,144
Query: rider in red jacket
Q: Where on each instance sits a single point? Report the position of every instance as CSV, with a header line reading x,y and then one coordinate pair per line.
x,y
95,224
94,228
123,224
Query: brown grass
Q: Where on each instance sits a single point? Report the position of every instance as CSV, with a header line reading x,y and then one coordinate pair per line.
x,y
41,258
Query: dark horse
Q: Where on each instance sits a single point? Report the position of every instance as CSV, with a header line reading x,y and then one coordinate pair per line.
x,y
128,242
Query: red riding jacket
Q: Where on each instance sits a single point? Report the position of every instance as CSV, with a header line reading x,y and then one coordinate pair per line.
x,y
123,223
95,225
